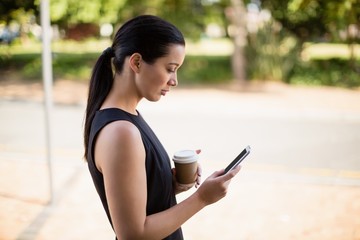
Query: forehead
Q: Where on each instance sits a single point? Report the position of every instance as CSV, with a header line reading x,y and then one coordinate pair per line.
x,y
176,54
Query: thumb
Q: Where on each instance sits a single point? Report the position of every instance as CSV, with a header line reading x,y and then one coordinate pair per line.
x,y
229,175
217,173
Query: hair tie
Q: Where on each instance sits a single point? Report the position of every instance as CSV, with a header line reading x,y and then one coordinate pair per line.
x,y
109,52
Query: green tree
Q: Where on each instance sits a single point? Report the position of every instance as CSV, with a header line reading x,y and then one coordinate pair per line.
x,y
190,16
65,12
311,20
320,20
11,9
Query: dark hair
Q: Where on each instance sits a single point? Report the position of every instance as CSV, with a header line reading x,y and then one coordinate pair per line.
x,y
147,35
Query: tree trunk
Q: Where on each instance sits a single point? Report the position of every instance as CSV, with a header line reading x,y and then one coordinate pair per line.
x,y
237,18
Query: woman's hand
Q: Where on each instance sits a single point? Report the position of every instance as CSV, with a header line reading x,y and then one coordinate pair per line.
x,y
179,187
215,186
199,172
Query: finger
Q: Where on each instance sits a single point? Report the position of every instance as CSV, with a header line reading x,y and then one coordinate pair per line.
x,y
185,187
217,173
237,168
198,180
199,170
229,175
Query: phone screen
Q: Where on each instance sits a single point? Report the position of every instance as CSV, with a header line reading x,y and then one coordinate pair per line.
x,y
238,159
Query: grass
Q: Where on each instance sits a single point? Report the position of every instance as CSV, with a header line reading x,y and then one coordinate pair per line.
x,y
328,51
68,46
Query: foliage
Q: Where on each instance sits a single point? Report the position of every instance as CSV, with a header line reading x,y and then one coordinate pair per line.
x,y
330,72
71,63
75,65
313,20
72,66
271,53
12,9
320,21
205,69
71,12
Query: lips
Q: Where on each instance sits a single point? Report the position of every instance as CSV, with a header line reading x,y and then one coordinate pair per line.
x,y
164,92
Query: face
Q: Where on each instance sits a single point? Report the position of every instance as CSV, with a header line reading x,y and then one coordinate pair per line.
x,y
156,79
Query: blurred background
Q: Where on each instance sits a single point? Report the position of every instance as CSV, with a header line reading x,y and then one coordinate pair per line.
x,y
280,75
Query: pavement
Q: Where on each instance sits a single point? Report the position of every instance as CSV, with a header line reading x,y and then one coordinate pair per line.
x,y
302,180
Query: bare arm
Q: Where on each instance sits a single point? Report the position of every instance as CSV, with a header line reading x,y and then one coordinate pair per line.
x,y
120,156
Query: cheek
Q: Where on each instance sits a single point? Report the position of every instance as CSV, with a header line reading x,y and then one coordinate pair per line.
x,y
154,76
158,77
151,81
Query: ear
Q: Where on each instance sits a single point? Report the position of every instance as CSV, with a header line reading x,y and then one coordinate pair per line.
x,y
135,62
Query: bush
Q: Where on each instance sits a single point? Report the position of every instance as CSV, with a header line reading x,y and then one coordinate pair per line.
x,y
205,69
78,66
271,53
330,72
74,66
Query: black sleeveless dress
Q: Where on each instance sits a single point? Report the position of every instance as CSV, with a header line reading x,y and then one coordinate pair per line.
x,y
160,192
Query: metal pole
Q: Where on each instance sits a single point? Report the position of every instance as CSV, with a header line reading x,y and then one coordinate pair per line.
x,y
47,81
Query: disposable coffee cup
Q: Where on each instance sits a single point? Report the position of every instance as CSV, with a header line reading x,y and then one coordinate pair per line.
x,y
186,164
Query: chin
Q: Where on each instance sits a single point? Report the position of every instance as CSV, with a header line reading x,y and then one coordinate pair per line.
x,y
153,98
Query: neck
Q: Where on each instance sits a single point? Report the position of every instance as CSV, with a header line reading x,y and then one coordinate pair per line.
x,y
123,94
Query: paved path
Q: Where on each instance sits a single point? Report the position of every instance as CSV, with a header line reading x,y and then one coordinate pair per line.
x,y
300,182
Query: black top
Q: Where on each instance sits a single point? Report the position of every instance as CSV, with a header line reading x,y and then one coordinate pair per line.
x,y
160,192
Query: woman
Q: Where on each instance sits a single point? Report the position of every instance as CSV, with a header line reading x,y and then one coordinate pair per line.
x,y
129,166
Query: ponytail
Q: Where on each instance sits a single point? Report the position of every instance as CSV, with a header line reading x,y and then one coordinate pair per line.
x,y
100,84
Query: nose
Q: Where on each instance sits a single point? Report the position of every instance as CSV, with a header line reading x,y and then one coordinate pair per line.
x,y
173,81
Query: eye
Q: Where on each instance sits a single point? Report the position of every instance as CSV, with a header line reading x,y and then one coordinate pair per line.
x,y
171,70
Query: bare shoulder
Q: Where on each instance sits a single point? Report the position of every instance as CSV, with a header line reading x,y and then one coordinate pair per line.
x,y
119,130
119,140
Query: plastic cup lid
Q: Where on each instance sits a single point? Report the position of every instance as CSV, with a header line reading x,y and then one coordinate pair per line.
x,y
185,156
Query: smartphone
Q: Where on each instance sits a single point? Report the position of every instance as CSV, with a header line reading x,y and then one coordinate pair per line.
x,y
238,159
